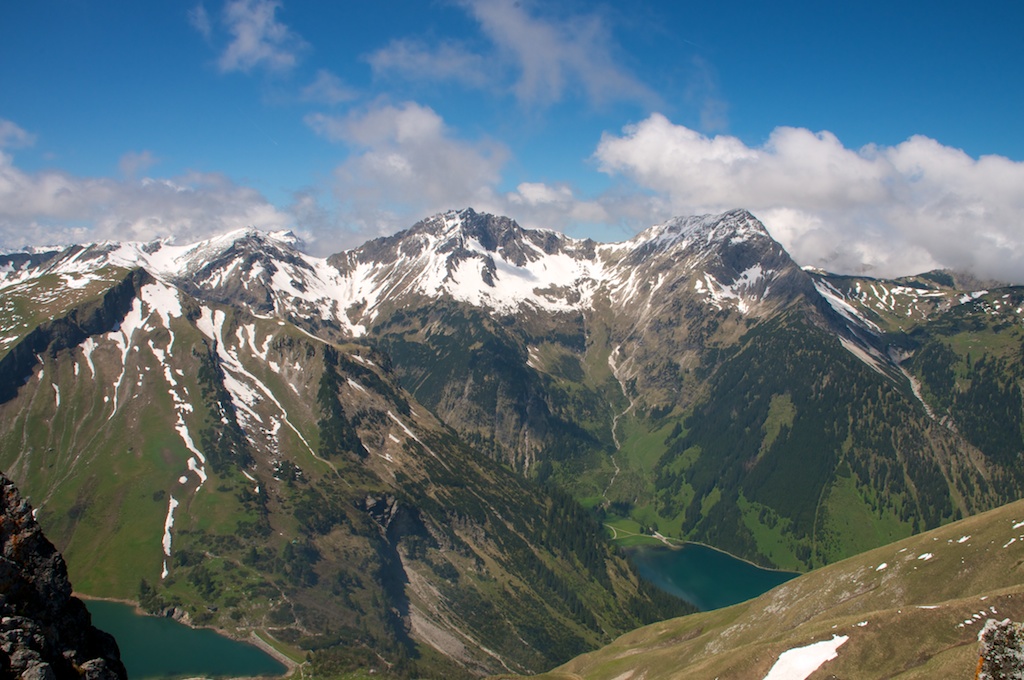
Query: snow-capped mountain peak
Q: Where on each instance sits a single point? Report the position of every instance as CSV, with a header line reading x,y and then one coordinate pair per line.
x,y
484,260
734,226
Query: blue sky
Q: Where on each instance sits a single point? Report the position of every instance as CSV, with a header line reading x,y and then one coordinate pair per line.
x,y
869,137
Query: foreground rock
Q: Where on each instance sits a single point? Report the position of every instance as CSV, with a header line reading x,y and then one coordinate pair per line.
x,y
44,631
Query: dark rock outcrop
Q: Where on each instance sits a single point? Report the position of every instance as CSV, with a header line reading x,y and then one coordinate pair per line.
x,y
44,631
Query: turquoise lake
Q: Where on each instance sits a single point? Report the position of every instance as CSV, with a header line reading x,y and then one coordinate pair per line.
x,y
705,577
157,647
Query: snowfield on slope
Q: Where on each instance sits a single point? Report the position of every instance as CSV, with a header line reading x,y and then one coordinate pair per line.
x,y
798,663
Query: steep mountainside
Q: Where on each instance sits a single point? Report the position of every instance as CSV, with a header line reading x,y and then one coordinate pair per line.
x,y
693,380
963,355
912,609
44,631
237,471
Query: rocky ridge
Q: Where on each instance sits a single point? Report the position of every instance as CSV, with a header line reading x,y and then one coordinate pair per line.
x,y
45,632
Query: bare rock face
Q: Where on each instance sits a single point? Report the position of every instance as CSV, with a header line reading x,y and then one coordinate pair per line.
x,y
1002,651
44,632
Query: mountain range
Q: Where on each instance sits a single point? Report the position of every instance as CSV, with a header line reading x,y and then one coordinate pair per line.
x,y
401,455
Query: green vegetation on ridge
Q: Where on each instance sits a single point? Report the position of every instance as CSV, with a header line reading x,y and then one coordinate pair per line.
x,y
909,610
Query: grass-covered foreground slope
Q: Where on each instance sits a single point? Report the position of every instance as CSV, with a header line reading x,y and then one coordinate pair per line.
x,y
911,609
243,474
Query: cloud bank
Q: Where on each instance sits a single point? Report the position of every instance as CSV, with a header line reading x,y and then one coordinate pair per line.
x,y
879,210
886,211
55,208
405,163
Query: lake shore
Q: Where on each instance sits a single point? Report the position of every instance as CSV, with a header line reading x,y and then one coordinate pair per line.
x,y
703,575
254,639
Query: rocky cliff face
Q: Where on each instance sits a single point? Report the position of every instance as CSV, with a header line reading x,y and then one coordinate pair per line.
x,y
44,631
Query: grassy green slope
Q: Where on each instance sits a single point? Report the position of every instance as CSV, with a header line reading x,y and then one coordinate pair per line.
x,y
796,444
970,364
911,609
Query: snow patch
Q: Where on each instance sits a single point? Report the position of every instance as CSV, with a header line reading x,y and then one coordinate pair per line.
x,y
88,346
719,293
163,299
168,524
245,389
799,663
926,556
123,337
882,566
967,297
195,467
836,300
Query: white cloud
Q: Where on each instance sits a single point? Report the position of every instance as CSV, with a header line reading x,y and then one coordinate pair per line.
x,y
257,37
554,55
54,207
540,59
200,20
13,136
406,163
884,210
540,205
328,88
421,62
133,163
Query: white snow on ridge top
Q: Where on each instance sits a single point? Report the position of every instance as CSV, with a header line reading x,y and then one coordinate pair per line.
x,y
470,273
444,254
514,284
163,299
161,258
738,225
564,280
